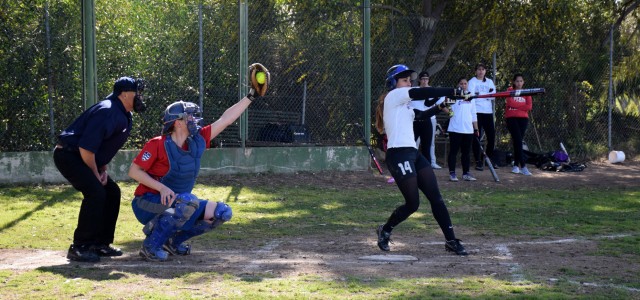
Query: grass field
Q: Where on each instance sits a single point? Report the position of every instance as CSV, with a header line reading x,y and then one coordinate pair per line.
x,y
303,236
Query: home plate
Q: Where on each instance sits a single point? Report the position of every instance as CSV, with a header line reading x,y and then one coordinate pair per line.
x,y
389,258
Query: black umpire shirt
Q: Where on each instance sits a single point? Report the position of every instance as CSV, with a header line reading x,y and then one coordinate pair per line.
x,y
102,129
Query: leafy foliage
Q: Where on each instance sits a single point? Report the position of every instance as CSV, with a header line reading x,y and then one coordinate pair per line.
x,y
314,50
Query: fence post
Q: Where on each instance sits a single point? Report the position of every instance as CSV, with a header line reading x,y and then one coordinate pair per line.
x,y
49,74
200,73
90,77
243,66
366,44
610,87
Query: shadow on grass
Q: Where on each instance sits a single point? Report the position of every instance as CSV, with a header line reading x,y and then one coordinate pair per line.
x,y
38,194
176,267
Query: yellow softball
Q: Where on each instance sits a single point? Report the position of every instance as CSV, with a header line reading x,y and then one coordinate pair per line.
x,y
261,77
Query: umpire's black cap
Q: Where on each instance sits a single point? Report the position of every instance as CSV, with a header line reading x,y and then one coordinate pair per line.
x,y
124,84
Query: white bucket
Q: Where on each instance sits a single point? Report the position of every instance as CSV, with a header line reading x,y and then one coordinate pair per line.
x,y
616,157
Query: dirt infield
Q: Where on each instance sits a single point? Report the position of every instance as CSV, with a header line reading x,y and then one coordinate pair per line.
x,y
339,254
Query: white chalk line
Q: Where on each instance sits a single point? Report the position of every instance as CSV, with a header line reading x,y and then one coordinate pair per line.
x,y
504,254
517,273
515,270
616,286
254,265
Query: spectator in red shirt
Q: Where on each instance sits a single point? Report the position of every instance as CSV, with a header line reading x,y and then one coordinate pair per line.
x,y
516,115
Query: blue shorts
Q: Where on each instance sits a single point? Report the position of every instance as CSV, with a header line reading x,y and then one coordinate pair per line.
x,y
405,162
148,206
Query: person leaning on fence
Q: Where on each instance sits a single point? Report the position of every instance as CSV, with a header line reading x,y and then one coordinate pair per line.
x,y
462,126
516,114
166,169
409,168
425,130
480,85
81,155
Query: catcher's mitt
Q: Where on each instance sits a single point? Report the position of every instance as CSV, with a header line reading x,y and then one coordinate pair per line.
x,y
258,89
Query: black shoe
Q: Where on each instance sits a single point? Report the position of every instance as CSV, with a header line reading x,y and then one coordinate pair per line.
x,y
106,250
82,253
455,246
182,249
383,238
479,166
153,254
495,167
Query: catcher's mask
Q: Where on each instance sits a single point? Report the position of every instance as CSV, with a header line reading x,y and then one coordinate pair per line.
x,y
396,72
180,111
129,84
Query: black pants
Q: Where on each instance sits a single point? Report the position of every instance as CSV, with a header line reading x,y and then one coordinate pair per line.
x,y
462,142
413,174
487,126
423,129
517,127
101,204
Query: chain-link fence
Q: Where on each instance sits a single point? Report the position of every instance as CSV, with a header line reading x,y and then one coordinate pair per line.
x,y
187,50
574,109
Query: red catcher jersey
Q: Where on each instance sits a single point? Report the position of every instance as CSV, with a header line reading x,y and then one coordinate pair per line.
x,y
153,158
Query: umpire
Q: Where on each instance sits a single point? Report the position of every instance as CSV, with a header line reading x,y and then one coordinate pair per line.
x,y
81,155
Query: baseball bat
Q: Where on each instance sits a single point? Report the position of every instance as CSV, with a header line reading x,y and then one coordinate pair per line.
x,y
536,131
366,143
513,93
488,161
565,152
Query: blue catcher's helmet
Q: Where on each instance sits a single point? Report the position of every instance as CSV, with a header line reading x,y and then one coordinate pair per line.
x,y
398,71
180,110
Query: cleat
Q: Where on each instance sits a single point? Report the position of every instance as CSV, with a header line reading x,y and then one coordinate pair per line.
x,y
106,250
525,171
383,238
181,249
468,177
455,246
515,170
153,255
82,253
453,177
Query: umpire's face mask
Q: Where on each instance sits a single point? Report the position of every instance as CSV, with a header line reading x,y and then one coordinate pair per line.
x,y
138,103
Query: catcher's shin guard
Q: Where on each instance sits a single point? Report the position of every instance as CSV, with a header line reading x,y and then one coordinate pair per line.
x,y
152,244
222,212
186,206
148,228
175,246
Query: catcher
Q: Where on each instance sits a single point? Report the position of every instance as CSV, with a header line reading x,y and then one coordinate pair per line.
x,y
166,169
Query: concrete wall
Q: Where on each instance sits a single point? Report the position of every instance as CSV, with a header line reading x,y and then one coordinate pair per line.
x,y
38,167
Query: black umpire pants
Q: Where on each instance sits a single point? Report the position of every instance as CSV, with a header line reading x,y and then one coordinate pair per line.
x,y
101,204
